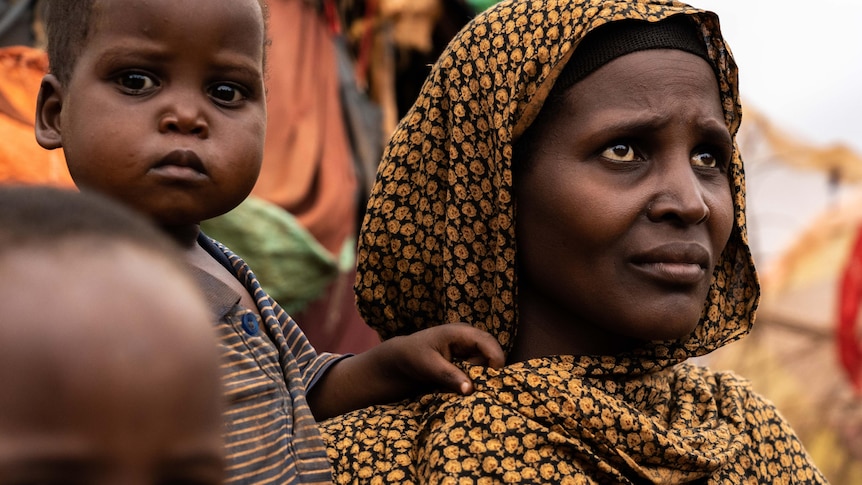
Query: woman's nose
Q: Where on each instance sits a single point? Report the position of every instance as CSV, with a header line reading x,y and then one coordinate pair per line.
x,y
680,196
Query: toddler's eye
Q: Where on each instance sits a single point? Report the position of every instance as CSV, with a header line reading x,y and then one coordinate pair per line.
x,y
621,152
227,93
135,82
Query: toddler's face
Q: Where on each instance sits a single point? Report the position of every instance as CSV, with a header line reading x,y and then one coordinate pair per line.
x,y
165,109
106,379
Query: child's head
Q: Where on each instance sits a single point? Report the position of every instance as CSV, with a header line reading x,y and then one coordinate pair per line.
x,y
108,362
67,24
158,104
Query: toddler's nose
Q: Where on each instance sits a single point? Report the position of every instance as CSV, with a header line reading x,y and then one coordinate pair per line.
x,y
184,118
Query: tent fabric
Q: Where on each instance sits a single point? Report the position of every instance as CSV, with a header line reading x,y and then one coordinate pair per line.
x,y
22,160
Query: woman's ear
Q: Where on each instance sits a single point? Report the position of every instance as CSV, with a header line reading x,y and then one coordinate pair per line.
x,y
49,105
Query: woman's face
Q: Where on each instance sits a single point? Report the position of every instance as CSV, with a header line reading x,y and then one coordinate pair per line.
x,y
623,208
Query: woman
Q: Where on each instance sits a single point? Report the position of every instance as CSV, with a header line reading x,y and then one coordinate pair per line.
x,y
574,188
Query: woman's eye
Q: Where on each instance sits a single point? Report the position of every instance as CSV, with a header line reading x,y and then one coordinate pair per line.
x,y
705,159
136,82
621,152
227,93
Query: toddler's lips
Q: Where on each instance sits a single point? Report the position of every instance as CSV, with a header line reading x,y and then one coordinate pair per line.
x,y
181,165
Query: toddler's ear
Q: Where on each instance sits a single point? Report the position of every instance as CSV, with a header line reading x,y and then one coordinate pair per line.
x,y
49,104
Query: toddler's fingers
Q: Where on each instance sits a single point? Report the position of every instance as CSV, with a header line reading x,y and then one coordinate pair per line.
x,y
490,348
454,379
477,347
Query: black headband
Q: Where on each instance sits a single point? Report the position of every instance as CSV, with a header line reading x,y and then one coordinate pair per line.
x,y
617,39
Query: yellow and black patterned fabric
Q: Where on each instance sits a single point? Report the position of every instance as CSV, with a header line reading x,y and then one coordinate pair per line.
x,y
438,245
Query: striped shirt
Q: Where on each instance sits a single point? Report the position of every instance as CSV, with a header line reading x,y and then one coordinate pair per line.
x,y
271,435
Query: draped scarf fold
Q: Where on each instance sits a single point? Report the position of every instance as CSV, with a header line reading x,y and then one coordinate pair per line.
x,y
437,245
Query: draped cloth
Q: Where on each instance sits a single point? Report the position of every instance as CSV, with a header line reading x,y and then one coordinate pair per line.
x,y
307,164
307,170
22,160
438,245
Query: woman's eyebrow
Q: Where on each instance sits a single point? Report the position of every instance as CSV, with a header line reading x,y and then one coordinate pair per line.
x,y
715,130
627,123
622,121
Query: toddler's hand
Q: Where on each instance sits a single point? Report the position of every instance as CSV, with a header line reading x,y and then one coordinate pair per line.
x,y
402,367
425,358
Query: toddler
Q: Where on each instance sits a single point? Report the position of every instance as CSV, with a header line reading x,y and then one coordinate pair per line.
x,y
160,104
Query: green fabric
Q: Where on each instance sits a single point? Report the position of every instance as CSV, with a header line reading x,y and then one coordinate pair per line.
x,y
480,5
287,260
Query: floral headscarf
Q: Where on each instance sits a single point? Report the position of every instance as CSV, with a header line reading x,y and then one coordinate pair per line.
x,y
438,245
438,240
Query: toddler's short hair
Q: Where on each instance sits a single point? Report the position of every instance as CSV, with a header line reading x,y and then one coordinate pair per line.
x,y
67,25
39,217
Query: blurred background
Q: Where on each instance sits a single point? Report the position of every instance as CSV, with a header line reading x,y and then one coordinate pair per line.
x,y
800,75
801,72
343,72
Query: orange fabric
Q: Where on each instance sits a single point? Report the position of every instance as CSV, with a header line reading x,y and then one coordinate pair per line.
x,y
22,160
307,163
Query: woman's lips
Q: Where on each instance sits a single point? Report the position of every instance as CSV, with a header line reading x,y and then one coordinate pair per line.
x,y
674,264
673,273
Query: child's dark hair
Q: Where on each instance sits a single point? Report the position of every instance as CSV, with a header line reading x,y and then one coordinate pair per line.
x,y
67,25
38,217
